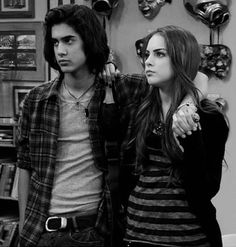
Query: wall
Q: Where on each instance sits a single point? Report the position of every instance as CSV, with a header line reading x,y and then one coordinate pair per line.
x,y
125,26
6,87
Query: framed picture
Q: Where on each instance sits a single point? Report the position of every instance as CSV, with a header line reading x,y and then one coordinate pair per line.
x,y
19,93
54,3
21,51
17,9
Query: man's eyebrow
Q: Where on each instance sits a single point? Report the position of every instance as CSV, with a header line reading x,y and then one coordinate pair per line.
x,y
64,37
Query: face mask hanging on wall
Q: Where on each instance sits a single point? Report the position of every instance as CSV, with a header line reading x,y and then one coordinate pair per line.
x,y
140,50
215,60
104,7
150,8
211,13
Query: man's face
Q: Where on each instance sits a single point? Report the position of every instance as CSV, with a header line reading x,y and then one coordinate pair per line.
x,y
68,49
150,8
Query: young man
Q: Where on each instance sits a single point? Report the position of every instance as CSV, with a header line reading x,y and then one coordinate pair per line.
x,y
64,192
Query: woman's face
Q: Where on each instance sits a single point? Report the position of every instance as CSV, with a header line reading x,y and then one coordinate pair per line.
x,y
158,68
150,8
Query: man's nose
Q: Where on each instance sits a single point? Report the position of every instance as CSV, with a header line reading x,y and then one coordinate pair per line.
x,y
61,49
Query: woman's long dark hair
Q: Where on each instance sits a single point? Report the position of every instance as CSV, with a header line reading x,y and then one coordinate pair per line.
x,y
183,50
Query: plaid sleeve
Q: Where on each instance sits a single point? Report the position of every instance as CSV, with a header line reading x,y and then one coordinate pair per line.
x,y
23,158
129,88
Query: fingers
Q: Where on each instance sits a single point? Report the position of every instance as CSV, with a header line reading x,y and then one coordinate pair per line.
x,y
107,77
109,73
176,127
178,143
185,120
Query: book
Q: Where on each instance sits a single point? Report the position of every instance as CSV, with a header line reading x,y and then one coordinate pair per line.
x,y
7,120
14,191
6,179
8,232
3,178
9,181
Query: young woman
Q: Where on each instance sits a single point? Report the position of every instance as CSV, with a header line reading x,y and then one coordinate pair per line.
x,y
168,183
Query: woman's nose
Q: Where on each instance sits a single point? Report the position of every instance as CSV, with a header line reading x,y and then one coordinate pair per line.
x,y
148,60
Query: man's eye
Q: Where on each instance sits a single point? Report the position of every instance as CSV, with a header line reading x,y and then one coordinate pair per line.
x,y
68,41
55,43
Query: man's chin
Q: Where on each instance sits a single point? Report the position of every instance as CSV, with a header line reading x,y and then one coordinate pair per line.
x,y
66,70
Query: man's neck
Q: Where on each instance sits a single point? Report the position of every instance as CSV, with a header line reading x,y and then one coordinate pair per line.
x,y
79,81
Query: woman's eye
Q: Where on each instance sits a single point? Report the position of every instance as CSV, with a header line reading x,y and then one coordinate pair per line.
x,y
146,55
160,54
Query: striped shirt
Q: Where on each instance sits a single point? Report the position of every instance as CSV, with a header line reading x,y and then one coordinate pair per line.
x,y
158,211
203,155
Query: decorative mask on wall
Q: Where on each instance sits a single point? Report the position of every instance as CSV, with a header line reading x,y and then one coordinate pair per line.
x,y
140,49
211,13
104,7
150,8
216,60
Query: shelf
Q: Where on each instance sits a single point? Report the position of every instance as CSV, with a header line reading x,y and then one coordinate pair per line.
x,y
8,198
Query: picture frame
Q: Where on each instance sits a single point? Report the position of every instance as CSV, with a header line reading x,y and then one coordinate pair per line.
x,y
21,51
19,93
55,3
17,9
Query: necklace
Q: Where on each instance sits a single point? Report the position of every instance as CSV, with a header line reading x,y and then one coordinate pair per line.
x,y
77,99
159,128
73,96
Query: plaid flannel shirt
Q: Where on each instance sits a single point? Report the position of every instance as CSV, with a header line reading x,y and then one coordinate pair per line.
x,y
37,148
129,90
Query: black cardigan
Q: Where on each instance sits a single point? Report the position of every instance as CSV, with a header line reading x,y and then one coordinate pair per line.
x,y
202,169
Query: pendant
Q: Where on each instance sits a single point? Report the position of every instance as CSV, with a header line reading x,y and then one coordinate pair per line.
x,y
159,129
77,106
83,112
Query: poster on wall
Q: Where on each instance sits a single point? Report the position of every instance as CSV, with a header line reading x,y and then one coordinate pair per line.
x,y
54,3
19,93
17,9
21,45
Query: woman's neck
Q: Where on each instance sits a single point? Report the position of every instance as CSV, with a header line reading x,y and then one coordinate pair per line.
x,y
166,102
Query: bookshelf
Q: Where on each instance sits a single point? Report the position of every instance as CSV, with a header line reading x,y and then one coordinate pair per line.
x,y
9,174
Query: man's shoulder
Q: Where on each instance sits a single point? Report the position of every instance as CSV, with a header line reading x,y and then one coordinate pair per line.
x,y
44,90
136,77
